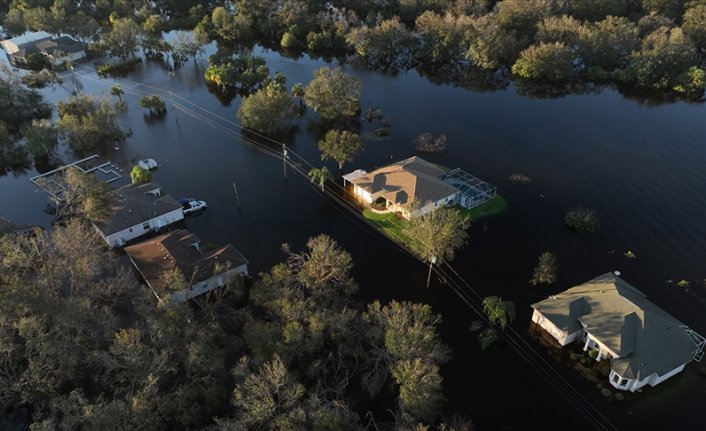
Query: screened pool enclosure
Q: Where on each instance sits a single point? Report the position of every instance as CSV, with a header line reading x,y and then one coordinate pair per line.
x,y
472,191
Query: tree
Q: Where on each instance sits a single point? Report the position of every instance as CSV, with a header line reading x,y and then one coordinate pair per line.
x,y
437,234
246,70
490,46
117,91
550,61
18,104
389,45
500,313
155,104
333,94
545,272
40,138
186,44
122,40
694,25
140,175
267,395
268,109
523,16
84,195
609,43
441,37
320,176
341,146
406,346
87,123
426,143
664,56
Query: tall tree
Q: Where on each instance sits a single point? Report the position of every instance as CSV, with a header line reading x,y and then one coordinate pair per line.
x,y
40,138
341,146
122,40
320,176
268,109
333,94
437,234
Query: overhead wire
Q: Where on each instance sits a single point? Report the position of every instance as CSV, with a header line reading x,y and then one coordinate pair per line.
x,y
443,269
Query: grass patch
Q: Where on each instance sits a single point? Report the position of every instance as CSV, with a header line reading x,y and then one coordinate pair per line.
x,y
494,206
391,224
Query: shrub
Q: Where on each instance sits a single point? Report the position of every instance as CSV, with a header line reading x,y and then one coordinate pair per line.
x,y
120,68
520,179
593,353
582,220
545,272
683,284
426,143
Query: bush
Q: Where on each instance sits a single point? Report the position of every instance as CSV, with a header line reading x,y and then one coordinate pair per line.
x,y
582,220
593,353
519,179
546,269
426,143
120,68
40,79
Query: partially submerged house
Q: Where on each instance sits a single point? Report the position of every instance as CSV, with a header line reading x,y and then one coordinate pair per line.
x,y
414,187
54,50
203,271
645,344
137,209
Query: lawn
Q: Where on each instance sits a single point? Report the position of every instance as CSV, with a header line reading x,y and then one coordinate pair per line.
x,y
394,226
494,206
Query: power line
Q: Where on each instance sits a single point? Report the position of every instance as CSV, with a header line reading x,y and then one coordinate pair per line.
x,y
455,281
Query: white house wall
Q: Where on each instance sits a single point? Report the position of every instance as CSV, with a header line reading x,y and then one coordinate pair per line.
x,y
197,289
362,194
561,336
118,239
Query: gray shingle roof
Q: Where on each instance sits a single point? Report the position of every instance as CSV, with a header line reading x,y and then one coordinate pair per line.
x,y
645,338
135,204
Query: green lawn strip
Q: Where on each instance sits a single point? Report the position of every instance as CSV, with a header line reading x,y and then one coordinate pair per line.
x,y
494,206
391,224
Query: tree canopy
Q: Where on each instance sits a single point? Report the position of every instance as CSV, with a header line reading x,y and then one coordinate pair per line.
x,y
341,146
268,109
333,94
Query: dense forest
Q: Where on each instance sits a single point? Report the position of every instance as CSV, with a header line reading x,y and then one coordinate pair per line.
x,y
656,44
83,346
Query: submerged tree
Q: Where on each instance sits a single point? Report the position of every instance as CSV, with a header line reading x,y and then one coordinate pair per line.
x,y
437,234
267,110
88,123
320,176
545,272
40,138
155,104
333,94
341,146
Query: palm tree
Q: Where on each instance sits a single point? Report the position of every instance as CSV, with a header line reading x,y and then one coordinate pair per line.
x,y
320,175
500,313
117,91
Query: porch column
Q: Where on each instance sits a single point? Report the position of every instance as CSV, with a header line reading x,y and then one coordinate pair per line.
x,y
585,346
600,355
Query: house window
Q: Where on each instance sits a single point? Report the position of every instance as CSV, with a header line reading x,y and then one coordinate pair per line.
x,y
129,230
624,382
146,225
616,378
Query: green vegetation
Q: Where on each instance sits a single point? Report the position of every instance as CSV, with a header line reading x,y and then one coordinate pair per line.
x,y
500,314
88,123
393,225
333,94
119,68
340,145
140,175
494,206
426,143
244,72
545,272
155,104
268,110
582,220
40,138
320,176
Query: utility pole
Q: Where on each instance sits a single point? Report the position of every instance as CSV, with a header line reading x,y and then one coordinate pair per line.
x,y
171,96
431,264
237,199
284,160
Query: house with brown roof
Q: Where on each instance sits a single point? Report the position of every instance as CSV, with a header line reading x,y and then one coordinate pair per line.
x,y
138,209
414,187
645,344
179,252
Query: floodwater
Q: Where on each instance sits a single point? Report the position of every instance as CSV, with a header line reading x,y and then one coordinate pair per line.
x,y
641,165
